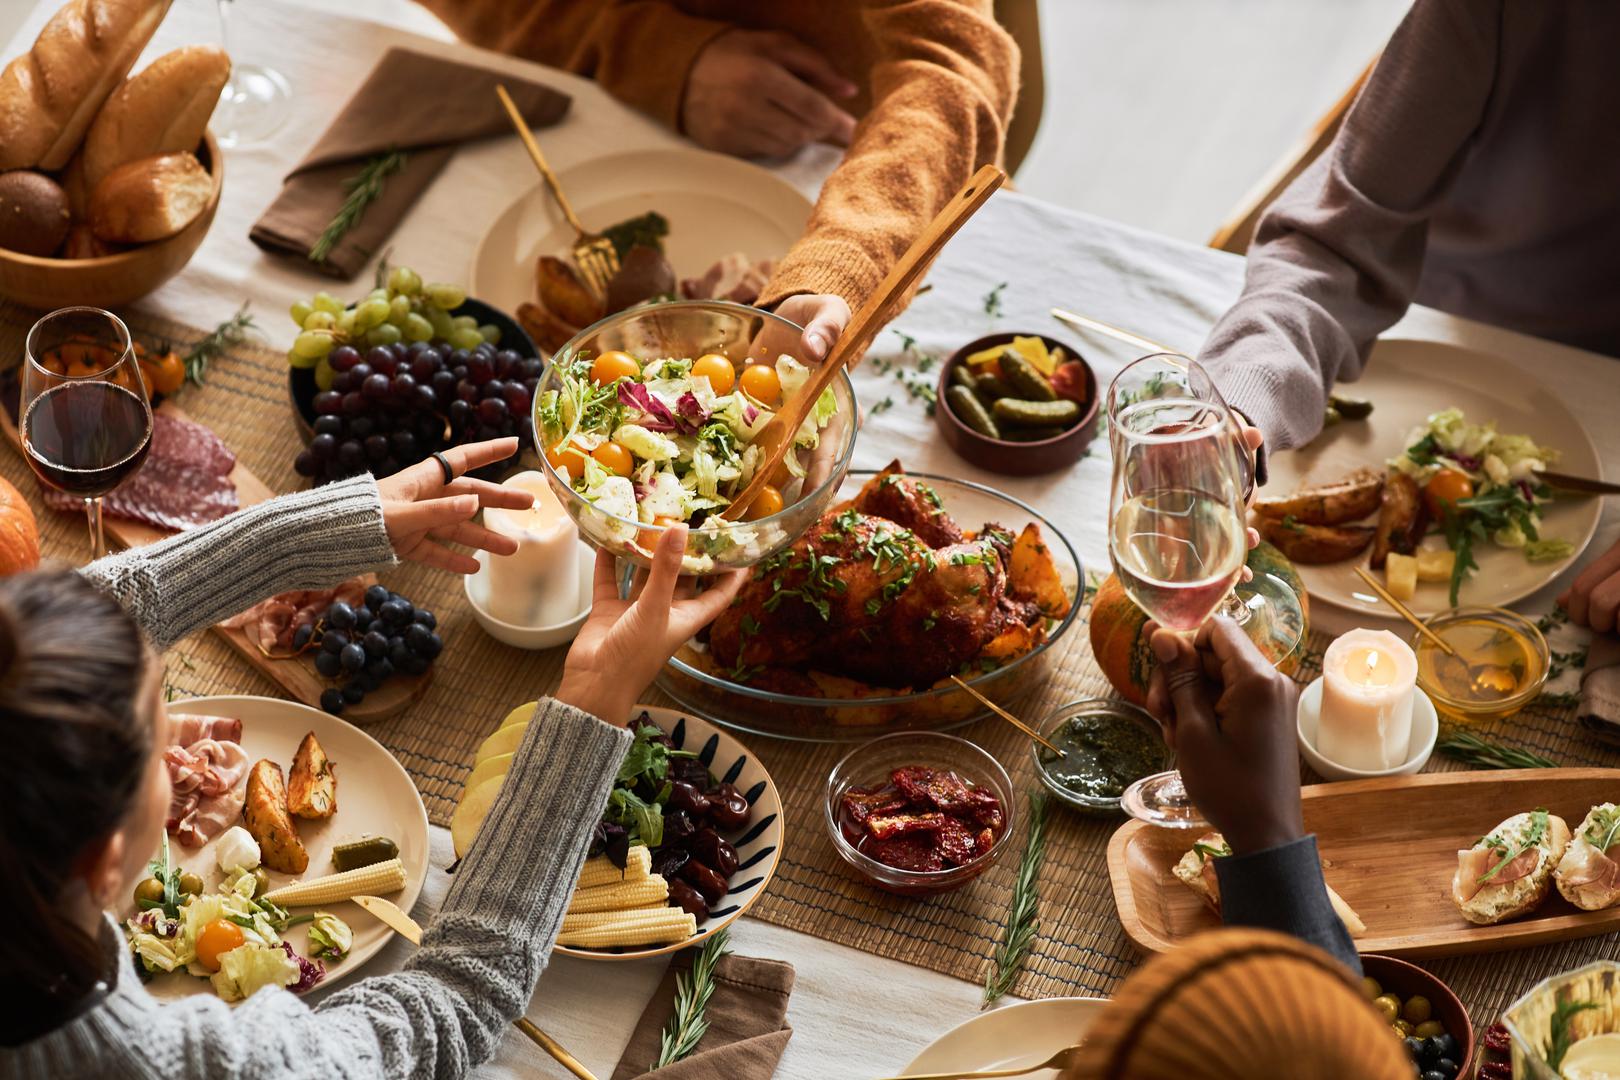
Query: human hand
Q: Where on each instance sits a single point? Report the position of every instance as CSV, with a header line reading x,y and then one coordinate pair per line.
x,y
420,509
1229,715
755,92
624,642
823,317
1594,598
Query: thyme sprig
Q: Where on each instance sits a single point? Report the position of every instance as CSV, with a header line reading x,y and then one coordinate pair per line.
x,y
226,335
687,1023
1467,747
362,189
1023,916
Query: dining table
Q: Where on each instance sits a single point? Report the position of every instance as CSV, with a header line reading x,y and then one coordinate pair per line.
x,y
854,1014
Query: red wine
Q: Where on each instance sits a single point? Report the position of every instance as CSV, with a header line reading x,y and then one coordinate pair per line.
x,y
1178,552
85,438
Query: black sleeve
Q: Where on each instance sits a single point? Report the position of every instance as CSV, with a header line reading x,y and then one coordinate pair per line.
x,y
1281,889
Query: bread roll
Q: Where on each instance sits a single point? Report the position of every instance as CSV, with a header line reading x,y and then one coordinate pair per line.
x,y
81,243
50,94
33,213
162,110
149,199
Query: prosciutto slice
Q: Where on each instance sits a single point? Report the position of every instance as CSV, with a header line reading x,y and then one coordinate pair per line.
x,y
204,779
189,729
734,277
271,623
1476,862
1589,866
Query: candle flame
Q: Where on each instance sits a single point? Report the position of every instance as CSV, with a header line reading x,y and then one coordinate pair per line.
x,y
1372,660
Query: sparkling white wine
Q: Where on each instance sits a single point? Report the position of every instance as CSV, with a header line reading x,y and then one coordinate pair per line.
x,y
1178,551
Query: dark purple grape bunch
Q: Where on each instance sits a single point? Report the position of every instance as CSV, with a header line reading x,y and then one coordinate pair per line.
x,y
368,644
491,390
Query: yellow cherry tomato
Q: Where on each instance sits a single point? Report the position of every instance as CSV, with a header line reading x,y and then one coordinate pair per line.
x,y
718,370
614,458
1444,489
168,372
567,459
759,382
612,365
649,537
216,939
766,503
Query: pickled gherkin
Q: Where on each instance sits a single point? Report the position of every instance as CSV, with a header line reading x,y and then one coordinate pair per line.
x,y
961,376
1024,378
1035,414
968,410
991,389
367,852
1032,434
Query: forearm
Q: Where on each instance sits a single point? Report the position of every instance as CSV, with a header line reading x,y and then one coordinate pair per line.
x,y
308,540
1281,888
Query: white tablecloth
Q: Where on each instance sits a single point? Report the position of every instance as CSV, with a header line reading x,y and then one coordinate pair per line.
x,y
853,1014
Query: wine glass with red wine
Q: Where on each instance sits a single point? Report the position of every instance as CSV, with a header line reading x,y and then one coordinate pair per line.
x,y
84,416
1182,477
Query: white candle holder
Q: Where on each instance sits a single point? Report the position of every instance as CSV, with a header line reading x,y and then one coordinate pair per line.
x,y
530,637
1425,730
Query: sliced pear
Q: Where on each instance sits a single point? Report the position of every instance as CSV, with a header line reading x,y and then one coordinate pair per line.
x,y
499,765
503,741
474,808
520,715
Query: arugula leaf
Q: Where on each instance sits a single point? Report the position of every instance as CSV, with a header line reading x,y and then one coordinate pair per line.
x,y
1529,839
1211,851
1605,828
644,820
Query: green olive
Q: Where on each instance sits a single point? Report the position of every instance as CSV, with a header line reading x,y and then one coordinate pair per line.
x,y
1402,1028
261,882
1417,1009
1370,988
191,884
1388,1006
150,891
1428,1029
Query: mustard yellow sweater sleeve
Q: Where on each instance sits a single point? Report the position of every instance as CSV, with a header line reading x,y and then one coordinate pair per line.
x,y
640,51
942,90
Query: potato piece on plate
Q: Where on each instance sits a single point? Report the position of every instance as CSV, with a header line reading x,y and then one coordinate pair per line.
x,y
312,783
1401,575
265,816
1349,499
563,294
1033,574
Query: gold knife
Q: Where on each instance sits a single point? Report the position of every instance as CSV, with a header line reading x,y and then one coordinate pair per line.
x,y
391,915
1580,484
1085,322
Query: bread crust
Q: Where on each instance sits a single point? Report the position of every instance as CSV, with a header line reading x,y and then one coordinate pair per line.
x,y
1591,896
1498,903
163,109
150,199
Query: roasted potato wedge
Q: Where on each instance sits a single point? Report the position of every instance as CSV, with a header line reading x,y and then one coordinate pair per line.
x,y
1312,545
1011,643
548,331
1402,519
564,295
1032,575
312,783
1342,501
265,816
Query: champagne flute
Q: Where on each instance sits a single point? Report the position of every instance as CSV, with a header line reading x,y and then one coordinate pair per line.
x,y
85,419
254,103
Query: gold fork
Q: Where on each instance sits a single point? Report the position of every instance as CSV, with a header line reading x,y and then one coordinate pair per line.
x,y
1060,1060
593,253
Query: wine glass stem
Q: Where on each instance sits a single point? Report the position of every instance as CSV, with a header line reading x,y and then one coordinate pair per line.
x,y
225,27
98,538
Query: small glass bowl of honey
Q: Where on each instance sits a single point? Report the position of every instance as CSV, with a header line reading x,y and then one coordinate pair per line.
x,y
1500,664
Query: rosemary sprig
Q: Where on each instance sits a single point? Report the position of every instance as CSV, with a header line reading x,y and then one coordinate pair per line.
x,y
992,301
687,1024
1467,747
1559,1038
1023,916
230,333
363,189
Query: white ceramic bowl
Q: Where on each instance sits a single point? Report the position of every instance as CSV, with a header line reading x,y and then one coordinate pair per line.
x,y
1425,730
529,637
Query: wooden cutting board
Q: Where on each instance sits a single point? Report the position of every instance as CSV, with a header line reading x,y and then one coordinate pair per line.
x,y
1388,847
297,675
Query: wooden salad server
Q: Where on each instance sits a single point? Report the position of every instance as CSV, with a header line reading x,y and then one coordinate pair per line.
x,y
776,438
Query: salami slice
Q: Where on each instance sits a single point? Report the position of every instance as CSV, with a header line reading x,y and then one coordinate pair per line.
x,y
185,480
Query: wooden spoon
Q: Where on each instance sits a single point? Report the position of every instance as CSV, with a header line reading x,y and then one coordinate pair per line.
x,y
777,436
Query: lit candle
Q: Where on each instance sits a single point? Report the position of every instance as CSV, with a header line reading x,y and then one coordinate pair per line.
x,y
1367,682
538,585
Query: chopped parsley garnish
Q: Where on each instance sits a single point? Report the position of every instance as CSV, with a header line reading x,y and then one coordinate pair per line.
x,y
992,301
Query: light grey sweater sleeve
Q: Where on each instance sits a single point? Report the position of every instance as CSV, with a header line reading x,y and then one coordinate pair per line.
x,y
1337,258
308,540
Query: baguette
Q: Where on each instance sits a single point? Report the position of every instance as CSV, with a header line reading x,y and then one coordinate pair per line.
x,y
164,109
50,94
150,199
1521,885
1196,870
1588,875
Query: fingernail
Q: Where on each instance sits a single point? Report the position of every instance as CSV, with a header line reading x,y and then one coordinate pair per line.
x,y
816,344
1164,647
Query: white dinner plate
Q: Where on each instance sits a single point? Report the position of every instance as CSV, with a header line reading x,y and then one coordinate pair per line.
x,y
715,205
375,797
1407,381
1009,1037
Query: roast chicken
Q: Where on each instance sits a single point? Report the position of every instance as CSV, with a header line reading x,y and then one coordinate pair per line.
x,y
887,590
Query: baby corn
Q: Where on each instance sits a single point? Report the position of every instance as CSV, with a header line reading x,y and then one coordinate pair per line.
x,y
676,925
601,871
651,889
631,916
378,879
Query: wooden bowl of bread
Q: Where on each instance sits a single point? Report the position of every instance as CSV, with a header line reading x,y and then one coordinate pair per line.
x,y
108,182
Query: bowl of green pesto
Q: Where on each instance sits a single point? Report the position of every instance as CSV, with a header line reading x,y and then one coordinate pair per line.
x,y
1107,745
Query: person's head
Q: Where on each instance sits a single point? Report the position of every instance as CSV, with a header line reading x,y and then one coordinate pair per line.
x,y
83,790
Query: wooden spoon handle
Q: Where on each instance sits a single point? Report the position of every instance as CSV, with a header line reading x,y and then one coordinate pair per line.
x,y
864,326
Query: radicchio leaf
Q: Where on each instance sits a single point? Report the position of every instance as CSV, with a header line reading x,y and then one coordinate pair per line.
x,y
692,410
310,972
658,417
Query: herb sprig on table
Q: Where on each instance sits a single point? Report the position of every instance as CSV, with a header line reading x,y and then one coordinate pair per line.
x,y
688,1022
363,188
226,335
1467,747
1023,915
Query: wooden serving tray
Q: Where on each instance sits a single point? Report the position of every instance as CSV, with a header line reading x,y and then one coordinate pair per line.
x,y
1388,847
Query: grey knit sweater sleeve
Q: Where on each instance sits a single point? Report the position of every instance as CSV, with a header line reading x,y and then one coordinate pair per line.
x,y
308,540
1338,257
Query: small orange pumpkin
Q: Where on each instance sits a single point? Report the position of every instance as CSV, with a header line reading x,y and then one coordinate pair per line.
x,y
1116,627
19,533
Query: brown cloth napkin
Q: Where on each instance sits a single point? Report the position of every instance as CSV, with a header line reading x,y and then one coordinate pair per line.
x,y
1600,688
424,105
747,1024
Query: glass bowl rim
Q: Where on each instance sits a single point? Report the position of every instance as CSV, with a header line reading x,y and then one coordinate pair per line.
x,y
899,876
840,468
1116,706
1519,700
775,698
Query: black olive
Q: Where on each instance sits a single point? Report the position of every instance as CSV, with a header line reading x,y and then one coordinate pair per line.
x,y
1433,1074
669,860
1440,1046
1447,1067
706,881
714,850
727,808
678,826
1414,1047
684,796
687,899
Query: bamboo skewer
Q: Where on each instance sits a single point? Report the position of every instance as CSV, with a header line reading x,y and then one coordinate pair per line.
x,y
1405,612
1086,322
1010,718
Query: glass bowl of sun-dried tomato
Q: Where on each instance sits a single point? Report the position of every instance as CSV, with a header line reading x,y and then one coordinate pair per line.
x,y
918,812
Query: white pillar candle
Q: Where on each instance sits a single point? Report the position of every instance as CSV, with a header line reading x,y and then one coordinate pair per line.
x,y
538,585
1367,682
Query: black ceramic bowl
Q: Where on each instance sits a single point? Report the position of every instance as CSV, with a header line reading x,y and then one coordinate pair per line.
x,y
1004,455
301,381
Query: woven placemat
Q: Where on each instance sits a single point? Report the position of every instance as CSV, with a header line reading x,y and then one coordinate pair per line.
x,y
1081,948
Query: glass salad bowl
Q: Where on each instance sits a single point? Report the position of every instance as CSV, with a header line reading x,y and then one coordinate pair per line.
x,y
570,407
850,711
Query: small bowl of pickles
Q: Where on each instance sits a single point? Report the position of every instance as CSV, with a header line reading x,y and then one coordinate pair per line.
x,y
1500,664
1107,746
1017,404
